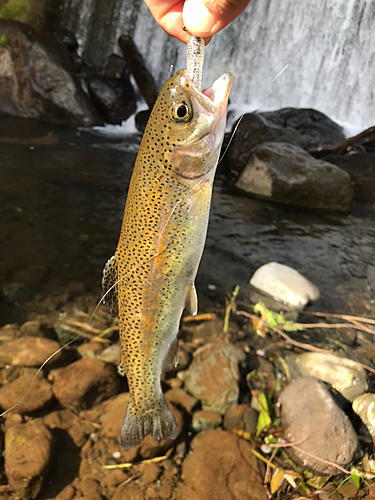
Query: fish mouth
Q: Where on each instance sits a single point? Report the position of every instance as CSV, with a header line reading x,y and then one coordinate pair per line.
x,y
218,92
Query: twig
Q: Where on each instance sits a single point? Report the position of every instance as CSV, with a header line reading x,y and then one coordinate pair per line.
x,y
131,464
267,476
287,445
199,317
346,317
264,460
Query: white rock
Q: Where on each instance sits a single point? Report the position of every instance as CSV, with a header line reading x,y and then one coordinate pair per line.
x,y
364,406
344,375
284,284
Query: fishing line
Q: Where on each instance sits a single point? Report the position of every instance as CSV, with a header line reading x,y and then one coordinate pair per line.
x,y
275,77
101,301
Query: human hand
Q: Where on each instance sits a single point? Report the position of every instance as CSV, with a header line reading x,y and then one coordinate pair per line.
x,y
201,18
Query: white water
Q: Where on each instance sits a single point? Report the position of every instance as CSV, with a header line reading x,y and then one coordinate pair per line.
x,y
333,72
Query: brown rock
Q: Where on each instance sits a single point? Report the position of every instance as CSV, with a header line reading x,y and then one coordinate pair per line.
x,y
114,416
90,349
9,332
85,383
114,478
215,469
90,488
241,418
128,492
27,456
205,419
35,328
213,376
67,493
150,473
29,351
181,398
166,489
16,393
309,414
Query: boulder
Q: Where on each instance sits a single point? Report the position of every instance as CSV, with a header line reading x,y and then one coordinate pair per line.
x,y
27,455
29,351
86,382
217,469
311,417
314,128
36,79
287,174
27,392
114,98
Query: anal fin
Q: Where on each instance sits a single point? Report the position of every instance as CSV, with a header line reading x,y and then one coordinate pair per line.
x,y
109,285
191,300
171,359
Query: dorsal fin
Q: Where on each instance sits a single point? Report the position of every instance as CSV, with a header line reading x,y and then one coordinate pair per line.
x,y
109,285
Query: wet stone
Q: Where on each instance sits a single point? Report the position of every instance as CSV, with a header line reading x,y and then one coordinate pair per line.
x,y
27,455
29,351
309,414
344,375
205,419
179,397
85,383
213,376
16,393
214,469
242,418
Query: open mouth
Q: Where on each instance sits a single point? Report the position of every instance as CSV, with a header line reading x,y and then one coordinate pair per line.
x,y
218,92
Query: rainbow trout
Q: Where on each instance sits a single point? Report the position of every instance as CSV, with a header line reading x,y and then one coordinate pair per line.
x,y
150,279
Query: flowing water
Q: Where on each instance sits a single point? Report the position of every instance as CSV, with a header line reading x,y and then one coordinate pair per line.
x,y
333,70
62,206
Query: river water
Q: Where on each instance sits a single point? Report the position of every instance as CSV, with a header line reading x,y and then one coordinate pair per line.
x,y
62,205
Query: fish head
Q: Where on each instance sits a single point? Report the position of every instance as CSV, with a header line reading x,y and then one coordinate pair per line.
x,y
192,124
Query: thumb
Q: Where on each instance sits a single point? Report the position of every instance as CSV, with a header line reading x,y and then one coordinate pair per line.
x,y
207,17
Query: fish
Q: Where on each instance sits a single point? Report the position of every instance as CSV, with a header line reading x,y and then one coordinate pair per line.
x,y
150,279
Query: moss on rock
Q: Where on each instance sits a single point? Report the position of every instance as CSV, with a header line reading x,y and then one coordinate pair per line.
x,y
27,11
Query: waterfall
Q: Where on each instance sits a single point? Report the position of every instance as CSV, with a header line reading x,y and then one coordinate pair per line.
x,y
332,61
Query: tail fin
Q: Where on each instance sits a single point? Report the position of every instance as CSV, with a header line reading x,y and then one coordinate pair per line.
x,y
158,422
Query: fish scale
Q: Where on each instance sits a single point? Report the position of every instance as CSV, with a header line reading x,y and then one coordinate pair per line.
x,y
150,279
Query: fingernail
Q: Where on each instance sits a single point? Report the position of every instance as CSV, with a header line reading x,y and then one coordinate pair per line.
x,y
197,18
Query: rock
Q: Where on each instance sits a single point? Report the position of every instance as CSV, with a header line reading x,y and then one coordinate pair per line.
x,y
179,397
150,473
34,328
114,416
141,120
242,418
9,332
29,351
344,375
90,349
205,419
114,98
27,456
14,293
309,413
251,132
116,67
205,332
213,376
90,488
67,37
315,128
68,421
37,81
67,493
287,174
16,393
111,354
284,284
139,70
30,12
85,382
364,406
215,469
128,492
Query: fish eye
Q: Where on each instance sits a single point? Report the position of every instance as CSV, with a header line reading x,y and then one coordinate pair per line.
x,y
181,112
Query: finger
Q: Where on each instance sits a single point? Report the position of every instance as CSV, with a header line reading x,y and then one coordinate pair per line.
x,y
168,14
206,17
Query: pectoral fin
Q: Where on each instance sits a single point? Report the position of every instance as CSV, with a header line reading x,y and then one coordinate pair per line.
x,y
109,285
171,358
191,300
199,200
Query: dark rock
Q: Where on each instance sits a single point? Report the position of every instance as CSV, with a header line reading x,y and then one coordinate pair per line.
x,y
68,38
213,376
309,414
27,392
215,469
361,168
116,67
241,418
37,81
14,293
86,382
315,128
287,174
251,132
67,421
205,419
139,70
141,119
114,98
29,351
27,456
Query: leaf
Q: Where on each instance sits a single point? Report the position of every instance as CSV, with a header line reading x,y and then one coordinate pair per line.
x,y
290,480
276,320
276,480
264,419
356,479
3,40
